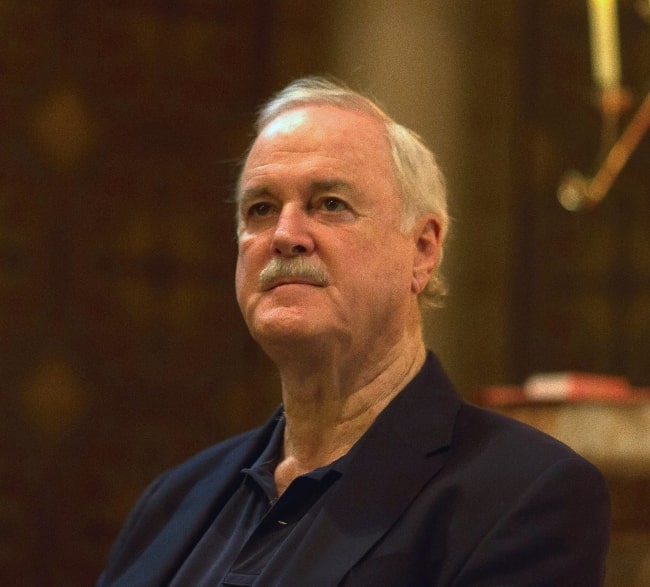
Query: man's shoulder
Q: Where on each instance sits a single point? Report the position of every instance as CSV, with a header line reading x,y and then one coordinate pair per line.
x,y
231,452
485,421
213,469
188,490
513,445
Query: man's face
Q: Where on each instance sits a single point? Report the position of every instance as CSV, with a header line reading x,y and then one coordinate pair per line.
x,y
318,196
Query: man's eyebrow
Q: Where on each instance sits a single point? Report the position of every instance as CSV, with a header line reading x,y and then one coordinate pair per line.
x,y
252,194
317,187
332,185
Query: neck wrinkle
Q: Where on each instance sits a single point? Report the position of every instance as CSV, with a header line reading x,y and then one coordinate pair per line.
x,y
325,418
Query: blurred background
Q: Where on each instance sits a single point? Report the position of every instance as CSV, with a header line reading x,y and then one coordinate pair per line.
x,y
122,350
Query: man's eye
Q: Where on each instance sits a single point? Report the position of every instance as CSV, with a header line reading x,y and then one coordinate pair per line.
x,y
333,205
259,209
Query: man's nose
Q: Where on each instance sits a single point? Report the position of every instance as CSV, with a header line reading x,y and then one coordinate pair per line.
x,y
292,235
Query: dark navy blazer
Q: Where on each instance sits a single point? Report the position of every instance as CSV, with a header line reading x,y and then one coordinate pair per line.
x,y
439,492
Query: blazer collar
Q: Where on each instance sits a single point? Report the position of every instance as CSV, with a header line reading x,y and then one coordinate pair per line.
x,y
405,447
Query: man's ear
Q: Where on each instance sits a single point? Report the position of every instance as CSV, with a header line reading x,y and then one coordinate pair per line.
x,y
428,241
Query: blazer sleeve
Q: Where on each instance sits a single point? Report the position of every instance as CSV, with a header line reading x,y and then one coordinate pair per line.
x,y
556,533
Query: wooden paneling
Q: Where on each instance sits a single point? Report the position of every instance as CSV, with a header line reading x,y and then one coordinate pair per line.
x,y
122,350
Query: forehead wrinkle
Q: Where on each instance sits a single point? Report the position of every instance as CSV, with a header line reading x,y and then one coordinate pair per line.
x,y
332,185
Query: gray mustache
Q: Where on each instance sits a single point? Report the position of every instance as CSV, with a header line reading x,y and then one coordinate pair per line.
x,y
280,268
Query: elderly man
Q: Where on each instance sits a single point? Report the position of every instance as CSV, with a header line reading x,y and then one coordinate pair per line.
x,y
373,471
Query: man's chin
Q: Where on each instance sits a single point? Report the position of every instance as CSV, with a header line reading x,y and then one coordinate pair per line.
x,y
286,326
283,332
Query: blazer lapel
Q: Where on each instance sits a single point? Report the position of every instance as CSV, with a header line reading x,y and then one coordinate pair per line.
x,y
401,452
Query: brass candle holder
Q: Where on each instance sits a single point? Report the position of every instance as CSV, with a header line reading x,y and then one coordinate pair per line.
x,y
579,192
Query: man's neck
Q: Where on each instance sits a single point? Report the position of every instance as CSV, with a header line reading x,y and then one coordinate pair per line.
x,y
331,405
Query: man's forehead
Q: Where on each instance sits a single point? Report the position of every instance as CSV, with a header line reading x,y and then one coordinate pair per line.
x,y
285,123
326,118
318,136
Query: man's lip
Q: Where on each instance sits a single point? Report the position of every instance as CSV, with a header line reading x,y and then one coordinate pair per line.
x,y
280,282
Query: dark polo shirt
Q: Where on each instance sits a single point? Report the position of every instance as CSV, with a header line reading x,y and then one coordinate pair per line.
x,y
251,529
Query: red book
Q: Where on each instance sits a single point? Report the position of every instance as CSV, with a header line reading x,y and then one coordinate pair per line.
x,y
575,386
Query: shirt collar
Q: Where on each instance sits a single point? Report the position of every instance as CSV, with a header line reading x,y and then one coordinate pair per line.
x,y
262,470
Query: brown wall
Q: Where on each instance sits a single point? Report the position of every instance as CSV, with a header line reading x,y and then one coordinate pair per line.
x,y
122,350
